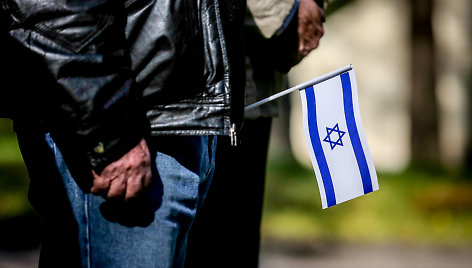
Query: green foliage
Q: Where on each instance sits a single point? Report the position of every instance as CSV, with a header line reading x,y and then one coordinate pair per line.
x,y
412,207
13,175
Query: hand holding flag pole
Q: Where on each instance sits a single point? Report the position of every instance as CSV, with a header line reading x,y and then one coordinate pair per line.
x,y
333,131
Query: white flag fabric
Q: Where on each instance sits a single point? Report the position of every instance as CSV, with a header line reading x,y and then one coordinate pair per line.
x,y
336,141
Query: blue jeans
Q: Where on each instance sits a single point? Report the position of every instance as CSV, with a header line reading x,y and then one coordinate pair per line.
x,y
150,231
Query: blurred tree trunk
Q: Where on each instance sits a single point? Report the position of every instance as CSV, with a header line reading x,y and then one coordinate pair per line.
x,y
424,105
468,152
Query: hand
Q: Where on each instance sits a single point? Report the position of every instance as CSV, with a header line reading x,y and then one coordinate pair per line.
x,y
310,26
127,176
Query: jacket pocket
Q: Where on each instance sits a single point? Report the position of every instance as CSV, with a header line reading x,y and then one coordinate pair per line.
x,y
72,26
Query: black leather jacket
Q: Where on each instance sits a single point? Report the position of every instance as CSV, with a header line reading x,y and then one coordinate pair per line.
x,y
117,68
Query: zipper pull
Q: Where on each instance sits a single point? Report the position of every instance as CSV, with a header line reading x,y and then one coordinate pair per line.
x,y
232,135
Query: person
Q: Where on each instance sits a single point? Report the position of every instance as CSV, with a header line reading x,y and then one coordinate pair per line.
x,y
118,107
278,34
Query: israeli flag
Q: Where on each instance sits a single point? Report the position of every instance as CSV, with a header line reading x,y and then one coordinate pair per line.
x,y
336,141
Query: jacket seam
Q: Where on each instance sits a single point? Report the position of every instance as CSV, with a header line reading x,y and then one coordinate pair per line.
x,y
227,69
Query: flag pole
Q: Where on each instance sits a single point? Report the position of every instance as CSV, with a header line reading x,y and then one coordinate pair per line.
x,y
301,86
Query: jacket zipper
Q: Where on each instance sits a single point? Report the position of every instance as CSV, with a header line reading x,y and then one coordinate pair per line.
x,y
233,135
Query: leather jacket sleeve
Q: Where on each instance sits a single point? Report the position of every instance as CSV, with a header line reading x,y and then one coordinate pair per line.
x,y
91,108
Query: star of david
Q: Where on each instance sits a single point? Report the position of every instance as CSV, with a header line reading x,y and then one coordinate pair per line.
x,y
339,141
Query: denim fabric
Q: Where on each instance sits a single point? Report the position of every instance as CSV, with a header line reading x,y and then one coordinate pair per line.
x,y
150,231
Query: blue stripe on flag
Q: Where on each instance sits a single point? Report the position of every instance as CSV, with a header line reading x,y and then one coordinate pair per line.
x,y
317,149
354,134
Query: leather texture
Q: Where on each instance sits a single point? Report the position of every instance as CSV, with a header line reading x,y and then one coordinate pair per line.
x,y
121,67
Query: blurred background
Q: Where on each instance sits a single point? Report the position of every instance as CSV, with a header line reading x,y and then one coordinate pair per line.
x,y
414,75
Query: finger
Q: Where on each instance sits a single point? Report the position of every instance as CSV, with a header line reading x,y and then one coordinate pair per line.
x,y
147,178
314,40
301,47
300,31
117,186
144,147
136,185
100,184
133,188
304,52
311,43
